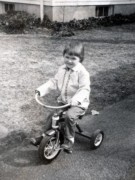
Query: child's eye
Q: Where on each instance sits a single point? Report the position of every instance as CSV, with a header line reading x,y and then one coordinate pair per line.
x,y
73,58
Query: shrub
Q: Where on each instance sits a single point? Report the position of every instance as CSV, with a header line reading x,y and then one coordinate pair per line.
x,y
14,25
17,21
92,22
46,22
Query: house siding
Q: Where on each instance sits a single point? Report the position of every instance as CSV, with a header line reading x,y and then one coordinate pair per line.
x,y
48,10
2,10
32,9
124,9
68,13
89,2
71,2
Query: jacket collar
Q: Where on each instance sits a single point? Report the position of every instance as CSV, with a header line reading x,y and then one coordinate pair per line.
x,y
76,68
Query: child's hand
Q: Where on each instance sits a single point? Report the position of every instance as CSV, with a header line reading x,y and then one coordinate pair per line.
x,y
37,92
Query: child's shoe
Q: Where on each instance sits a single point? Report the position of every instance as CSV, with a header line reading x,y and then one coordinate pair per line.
x,y
67,148
36,141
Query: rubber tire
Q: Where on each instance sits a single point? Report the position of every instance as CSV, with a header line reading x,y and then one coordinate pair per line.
x,y
42,145
93,138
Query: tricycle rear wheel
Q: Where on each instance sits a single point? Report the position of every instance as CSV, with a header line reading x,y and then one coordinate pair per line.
x,y
96,139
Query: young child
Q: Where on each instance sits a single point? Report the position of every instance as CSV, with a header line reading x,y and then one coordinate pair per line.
x,y
73,83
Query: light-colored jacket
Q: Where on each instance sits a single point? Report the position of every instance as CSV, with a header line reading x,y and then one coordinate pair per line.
x,y
72,84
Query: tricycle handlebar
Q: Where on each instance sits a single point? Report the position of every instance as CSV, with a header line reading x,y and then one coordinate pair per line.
x,y
47,106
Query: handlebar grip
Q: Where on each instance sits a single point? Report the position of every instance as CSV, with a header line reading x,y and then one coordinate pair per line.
x,y
37,92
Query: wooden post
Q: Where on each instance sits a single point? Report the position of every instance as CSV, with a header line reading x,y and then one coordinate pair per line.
x,y
41,10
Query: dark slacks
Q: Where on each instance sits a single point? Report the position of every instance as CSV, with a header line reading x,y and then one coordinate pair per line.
x,y
71,116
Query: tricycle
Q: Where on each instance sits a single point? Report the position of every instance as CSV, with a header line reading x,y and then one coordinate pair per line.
x,y
50,143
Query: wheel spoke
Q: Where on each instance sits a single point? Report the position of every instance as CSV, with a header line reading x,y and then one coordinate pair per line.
x,y
48,149
51,143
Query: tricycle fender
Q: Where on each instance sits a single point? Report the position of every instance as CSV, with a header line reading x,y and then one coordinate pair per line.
x,y
50,132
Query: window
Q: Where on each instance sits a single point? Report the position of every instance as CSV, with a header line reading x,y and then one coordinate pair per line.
x,y
9,7
102,11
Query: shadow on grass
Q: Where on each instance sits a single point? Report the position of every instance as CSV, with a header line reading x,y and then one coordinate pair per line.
x,y
15,150
22,158
112,86
12,140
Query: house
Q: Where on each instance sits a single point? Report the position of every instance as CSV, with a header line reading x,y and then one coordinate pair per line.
x,y
66,10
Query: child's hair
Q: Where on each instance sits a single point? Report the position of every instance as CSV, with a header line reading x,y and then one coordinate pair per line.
x,y
75,49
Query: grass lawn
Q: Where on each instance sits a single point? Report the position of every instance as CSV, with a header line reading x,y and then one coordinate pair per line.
x,y
28,61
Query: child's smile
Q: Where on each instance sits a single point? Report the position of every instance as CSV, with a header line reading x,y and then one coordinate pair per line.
x,y
71,61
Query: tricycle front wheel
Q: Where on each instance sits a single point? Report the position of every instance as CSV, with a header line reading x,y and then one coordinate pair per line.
x,y
49,149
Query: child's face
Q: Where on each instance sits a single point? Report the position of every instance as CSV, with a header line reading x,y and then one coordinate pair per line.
x,y
71,61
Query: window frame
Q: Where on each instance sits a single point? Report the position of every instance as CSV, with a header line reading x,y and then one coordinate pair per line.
x,y
9,7
100,11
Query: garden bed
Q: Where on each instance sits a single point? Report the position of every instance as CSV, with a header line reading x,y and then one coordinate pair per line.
x,y
22,22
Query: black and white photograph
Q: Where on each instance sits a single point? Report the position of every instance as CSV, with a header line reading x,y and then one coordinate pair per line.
x,y
67,98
